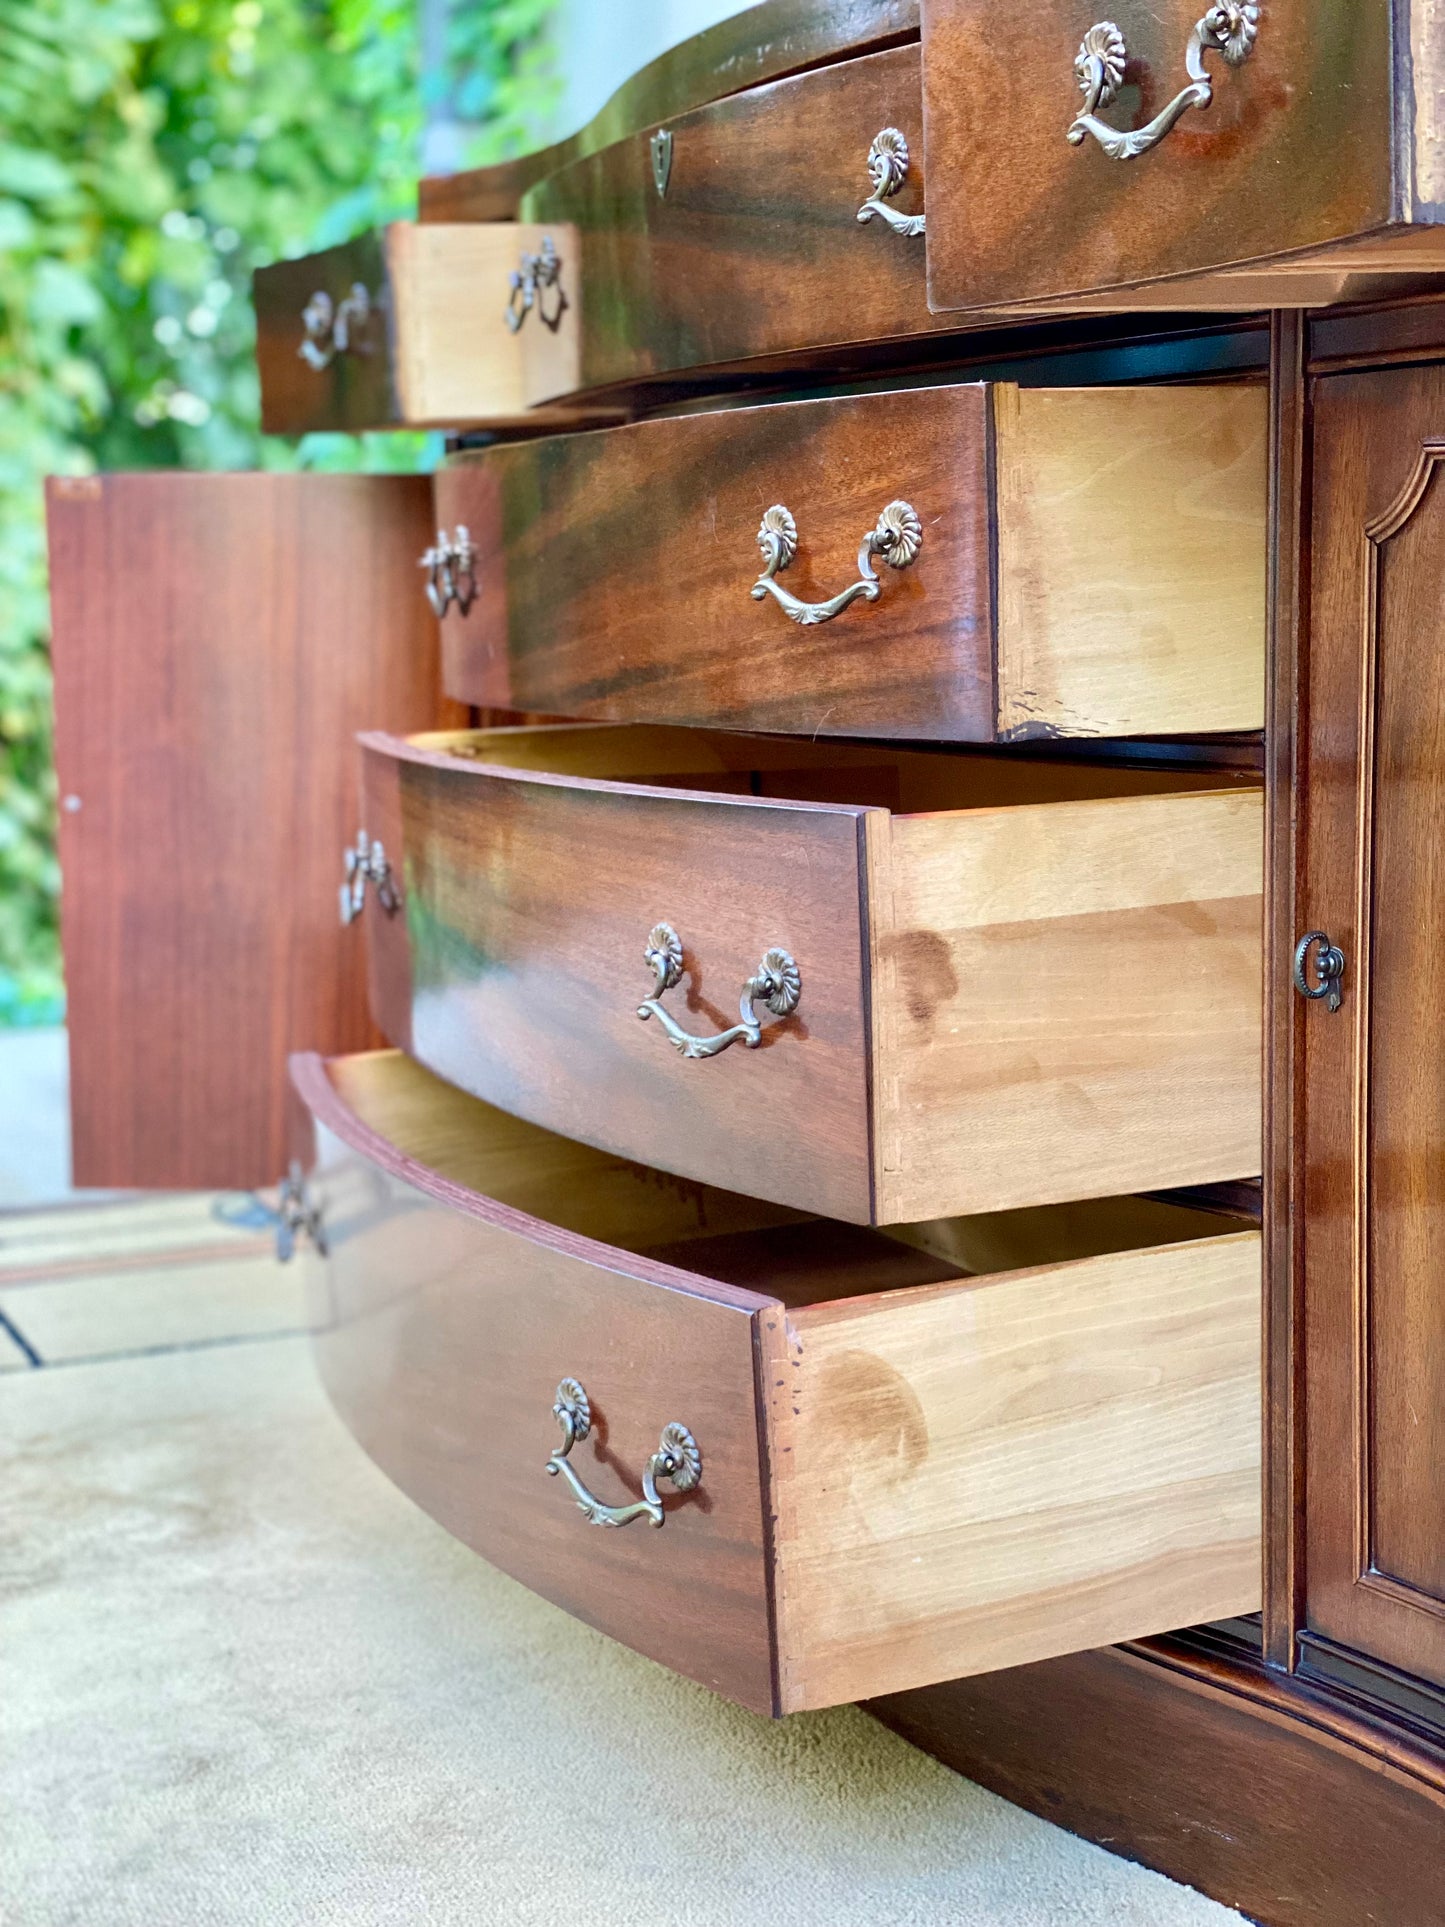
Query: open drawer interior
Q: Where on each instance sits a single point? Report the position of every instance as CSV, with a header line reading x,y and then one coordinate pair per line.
x,y
791,1256
869,775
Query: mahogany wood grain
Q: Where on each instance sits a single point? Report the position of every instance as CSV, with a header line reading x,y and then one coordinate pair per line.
x,y
209,676
445,1322
1265,1795
528,899
1042,940
751,47
1294,152
616,567
756,248
1374,1111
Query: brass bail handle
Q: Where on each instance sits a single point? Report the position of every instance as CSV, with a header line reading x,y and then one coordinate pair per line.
x,y
1229,28
366,863
451,566
777,984
331,328
888,170
1329,967
897,536
677,1459
537,283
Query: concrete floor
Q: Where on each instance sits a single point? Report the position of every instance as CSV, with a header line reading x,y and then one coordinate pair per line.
x,y
34,1121
244,1683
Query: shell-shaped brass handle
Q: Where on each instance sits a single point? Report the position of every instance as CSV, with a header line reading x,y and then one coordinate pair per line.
x,y
677,1459
888,170
451,567
1229,28
897,536
365,863
777,984
537,283
331,328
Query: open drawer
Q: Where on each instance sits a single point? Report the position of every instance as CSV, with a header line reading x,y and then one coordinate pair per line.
x,y
446,325
881,984
1034,562
903,1457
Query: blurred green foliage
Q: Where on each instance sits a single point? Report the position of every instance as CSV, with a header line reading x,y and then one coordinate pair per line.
x,y
152,153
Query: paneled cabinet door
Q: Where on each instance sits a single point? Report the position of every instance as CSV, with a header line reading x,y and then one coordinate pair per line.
x,y
218,639
1373,879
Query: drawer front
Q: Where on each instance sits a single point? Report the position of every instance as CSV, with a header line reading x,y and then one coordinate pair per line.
x,y
1293,151
408,328
1089,562
516,966
443,1325
735,232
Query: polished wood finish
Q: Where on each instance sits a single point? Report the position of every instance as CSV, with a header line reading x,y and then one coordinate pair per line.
x,y
448,1317
756,248
1284,1305
1374,1113
960,1470
1030,942
1092,564
1297,150
528,905
751,47
1014,1466
436,352
1269,1797
209,675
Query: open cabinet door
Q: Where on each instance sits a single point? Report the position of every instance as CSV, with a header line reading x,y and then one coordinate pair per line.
x,y
218,639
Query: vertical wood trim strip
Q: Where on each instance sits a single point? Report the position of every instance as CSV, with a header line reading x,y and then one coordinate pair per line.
x,y
1286,690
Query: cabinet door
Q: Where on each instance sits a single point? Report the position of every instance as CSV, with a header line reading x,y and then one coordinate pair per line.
x,y
218,640
1373,1226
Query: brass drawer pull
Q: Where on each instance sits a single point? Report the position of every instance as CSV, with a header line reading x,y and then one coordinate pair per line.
x,y
366,863
897,536
676,1458
888,170
1329,970
298,1216
334,328
1228,28
451,571
538,275
777,984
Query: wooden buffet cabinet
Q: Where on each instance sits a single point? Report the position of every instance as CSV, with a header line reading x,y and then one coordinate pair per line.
x,y
1093,817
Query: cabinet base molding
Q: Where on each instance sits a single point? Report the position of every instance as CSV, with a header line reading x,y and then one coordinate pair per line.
x,y
1269,1795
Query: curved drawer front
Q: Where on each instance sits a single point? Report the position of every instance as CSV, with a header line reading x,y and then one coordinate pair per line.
x,y
990,981
407,327
448,1321
1073,562
970,1446
1283,143
736,231
517,964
